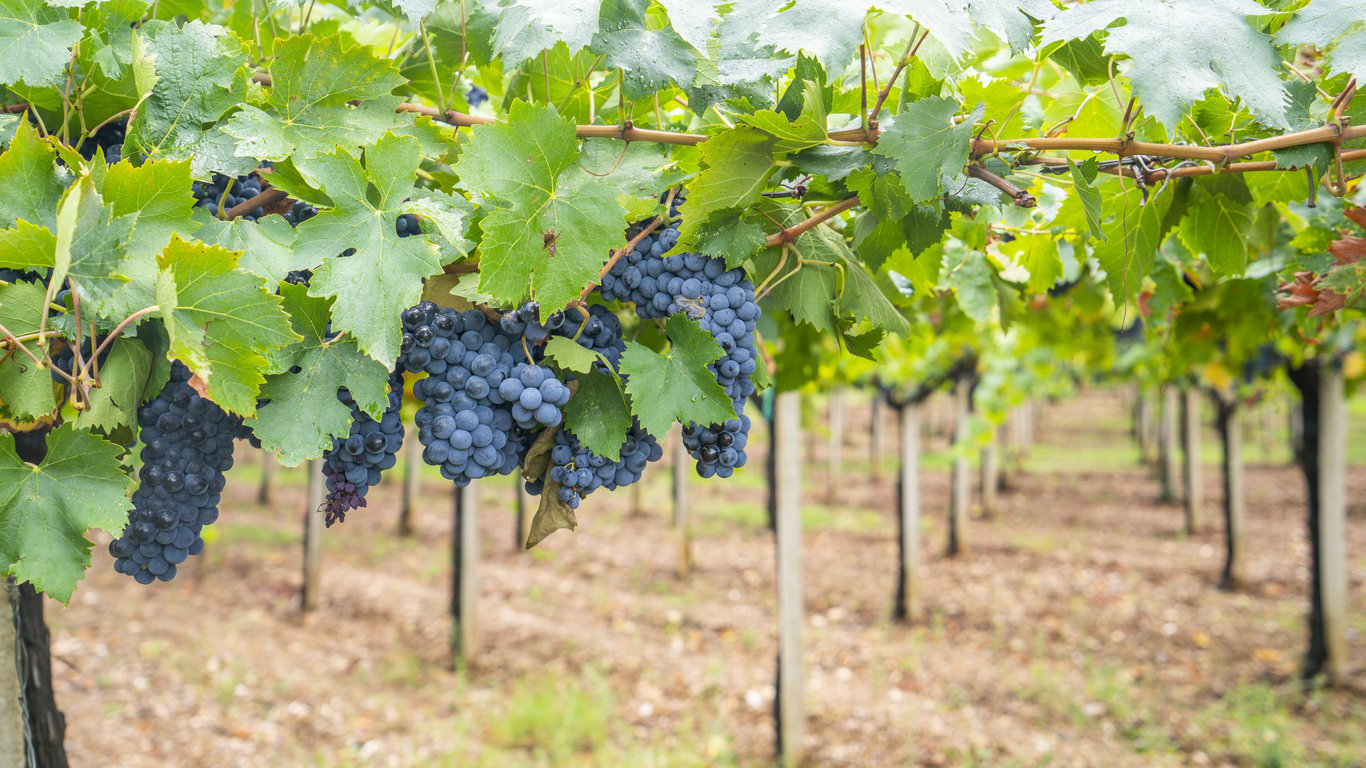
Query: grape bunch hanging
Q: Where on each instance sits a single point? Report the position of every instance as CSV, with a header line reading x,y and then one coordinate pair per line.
x,y
485,391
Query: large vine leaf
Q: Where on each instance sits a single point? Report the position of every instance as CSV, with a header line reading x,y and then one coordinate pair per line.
x,y
35,41
32,181
385,274
555,233
736,166
1337,25
304,413
926,146
201,74
649,58
221,320
25,389
45,510
1179,49
307,110
676,385
527,27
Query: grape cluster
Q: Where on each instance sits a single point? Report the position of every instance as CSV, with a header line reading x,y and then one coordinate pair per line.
x,y
225,193
722,302
354,463
299,213
187,446
476,95
480,402
578,471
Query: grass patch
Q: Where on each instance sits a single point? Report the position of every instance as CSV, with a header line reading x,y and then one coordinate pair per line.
x,y
556,719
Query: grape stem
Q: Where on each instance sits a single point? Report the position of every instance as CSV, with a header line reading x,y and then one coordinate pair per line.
x,y
266,197
787,235
1019,196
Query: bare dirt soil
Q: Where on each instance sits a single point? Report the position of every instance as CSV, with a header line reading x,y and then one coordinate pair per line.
x,y
1081,628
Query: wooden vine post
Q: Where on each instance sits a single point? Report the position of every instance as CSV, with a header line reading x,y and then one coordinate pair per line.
x,y
412,477
907,605
960,493
834,456
1192,469
875,430
1167,444
465,576
991,476
1231,436
682,466
268,466
789,703
1332,517
313,537
12,715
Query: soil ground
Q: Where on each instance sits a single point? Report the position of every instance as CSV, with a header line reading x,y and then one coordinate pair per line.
x,y
1081,628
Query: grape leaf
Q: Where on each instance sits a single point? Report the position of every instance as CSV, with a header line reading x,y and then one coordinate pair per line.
x,y
385,274
201,74
1132,236
267,245
159,193
729,238
1216,224
737,165
221,321
807,130
123,381
692,19
1324,21
304,413
733,64
33,182
35,42
926,146
598,415
551,515
527,27
968,274
416,10
1084,181
572,356
45,510
89,250
545,232
26,246
25,389
307,110
814,26
677,385
1182,48
649,59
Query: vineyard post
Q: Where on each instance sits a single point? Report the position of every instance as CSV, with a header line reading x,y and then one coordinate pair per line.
x,y
1267,430
12,716
465,576
1332,516
834,457
681,467
875,428
960,484
991,476
412,470
268,465
907,605
1192,469
1142,425
1167,448
789,705
1231,436
313,537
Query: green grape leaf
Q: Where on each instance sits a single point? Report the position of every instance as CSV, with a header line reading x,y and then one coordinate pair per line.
x,y
304,413
1317,156
1277,187
545,232
692,19
201,74
926,147
33,182
598,415
968,274
527,27
678,385
1324,21
45,510
815,27
1038,255
221,320
450,214
416,10
737,166
307,110
807,130
733,65
1132,236
123,381
1174,62
572,356
159,193
1216,224
90,241
806,292
25,389
27,246
1084,182
267,245
731,239
386,272
649,59
35,41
